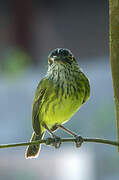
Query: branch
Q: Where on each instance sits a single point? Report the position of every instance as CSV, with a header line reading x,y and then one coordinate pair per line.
x,y
50,141
114,53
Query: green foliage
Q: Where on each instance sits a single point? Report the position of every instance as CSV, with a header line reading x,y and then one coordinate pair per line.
x,y
15,62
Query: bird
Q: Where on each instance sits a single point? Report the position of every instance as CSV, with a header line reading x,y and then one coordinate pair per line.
x,y
59,95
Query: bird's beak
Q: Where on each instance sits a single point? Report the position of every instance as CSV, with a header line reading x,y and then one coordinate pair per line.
x,y
57,58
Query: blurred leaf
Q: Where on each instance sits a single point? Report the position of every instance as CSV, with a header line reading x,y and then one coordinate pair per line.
x,y
16,61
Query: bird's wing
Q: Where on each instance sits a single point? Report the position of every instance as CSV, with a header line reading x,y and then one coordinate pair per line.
x,y
87,88
37,104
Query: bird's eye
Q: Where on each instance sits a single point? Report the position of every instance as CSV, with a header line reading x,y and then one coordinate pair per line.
x,y
50,61
72,58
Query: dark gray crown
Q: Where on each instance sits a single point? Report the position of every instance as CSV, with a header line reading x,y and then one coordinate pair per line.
x,y
60,52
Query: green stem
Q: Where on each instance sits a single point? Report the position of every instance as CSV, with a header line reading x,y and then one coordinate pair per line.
x,y
102,141
44,141
114,53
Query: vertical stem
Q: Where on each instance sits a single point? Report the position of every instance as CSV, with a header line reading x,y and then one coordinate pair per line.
x,y
114,53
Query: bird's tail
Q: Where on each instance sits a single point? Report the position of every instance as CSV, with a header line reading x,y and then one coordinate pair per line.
x,y
33,150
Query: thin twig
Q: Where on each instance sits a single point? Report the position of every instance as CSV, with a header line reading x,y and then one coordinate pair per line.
x,y
49,141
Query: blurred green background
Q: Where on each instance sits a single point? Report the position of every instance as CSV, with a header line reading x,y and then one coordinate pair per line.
x,y
28,32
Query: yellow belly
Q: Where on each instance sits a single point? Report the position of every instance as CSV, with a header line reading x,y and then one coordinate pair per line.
x,y
61,109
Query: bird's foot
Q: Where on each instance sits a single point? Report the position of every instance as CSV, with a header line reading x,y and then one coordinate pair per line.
x,y
78,141
55,141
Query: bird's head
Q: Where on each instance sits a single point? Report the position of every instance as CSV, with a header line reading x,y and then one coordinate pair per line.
x,y
61,56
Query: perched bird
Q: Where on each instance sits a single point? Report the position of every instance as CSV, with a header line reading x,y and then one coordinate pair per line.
x,y
58,96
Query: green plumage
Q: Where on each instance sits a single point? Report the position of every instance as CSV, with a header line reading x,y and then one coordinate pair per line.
x,y
58,96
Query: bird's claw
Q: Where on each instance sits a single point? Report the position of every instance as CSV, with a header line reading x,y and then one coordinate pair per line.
x,y
55,141
78,141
